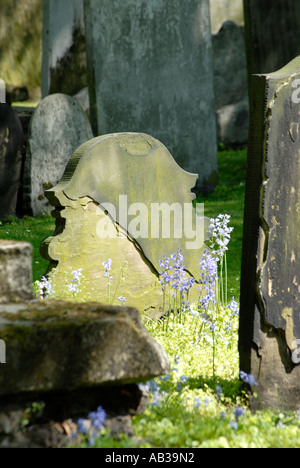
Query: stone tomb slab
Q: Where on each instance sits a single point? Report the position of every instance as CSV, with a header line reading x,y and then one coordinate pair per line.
x,y
106,208
11,145
57,128
270,284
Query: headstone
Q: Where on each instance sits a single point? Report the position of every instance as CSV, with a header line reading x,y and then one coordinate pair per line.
x,y
58,126
272,34
11,145
269,333
150,70
64,68
115,202
231,84
15,271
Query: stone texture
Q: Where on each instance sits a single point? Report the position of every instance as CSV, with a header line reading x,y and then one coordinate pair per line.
x,y
64,68
272,34
58,126
15,271
270,284
59,346
150,70
11,145
94,223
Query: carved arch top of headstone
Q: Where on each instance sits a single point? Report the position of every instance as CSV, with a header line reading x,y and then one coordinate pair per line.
x,y
133,174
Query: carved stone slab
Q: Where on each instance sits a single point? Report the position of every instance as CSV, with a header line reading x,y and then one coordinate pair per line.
x,y
123,197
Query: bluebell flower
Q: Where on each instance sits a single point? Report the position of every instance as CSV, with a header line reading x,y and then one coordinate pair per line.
x,y
238,412
97,418
234,425
107,267
248,378
208,278
197,403
174,275
122,299
219,391
82,429
220,234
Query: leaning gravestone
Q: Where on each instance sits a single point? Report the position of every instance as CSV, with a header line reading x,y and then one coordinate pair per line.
x,y
269,336
11,145
150,70
124,198
58,126
272,34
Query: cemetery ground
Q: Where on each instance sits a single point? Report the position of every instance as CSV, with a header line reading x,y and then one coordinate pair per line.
x,y
202,402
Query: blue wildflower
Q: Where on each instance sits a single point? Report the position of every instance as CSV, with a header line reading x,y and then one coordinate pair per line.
x,y
248,378
238,412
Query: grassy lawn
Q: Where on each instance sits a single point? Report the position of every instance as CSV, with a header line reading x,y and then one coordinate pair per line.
x,y
202,402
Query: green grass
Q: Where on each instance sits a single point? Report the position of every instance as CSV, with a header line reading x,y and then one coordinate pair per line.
x,y
186,409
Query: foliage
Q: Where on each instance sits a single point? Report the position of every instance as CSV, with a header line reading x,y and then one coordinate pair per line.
x,y
21,42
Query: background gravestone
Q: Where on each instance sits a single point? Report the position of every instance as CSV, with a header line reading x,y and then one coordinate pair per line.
x,y
64,67
11,145
231,84
270,283
150,70
58,126
272,30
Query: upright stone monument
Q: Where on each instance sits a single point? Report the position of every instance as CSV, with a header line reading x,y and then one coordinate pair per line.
x,y
272,34
269,336
150,70
11,146
64,67
58,126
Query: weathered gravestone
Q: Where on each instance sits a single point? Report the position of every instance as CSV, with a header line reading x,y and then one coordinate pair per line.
x,y
272,34
69,357
269,334
58,126
64,68
123,197
11,145
150,70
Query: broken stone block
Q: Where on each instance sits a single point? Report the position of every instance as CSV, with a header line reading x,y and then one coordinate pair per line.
x,y
60,346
